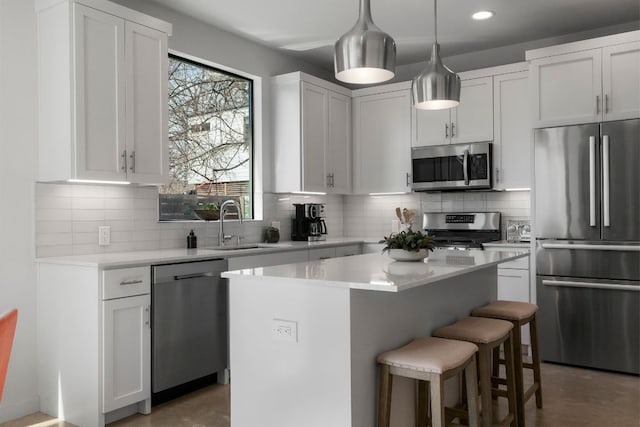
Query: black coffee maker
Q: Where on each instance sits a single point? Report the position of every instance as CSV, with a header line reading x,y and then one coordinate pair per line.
x,y
308,224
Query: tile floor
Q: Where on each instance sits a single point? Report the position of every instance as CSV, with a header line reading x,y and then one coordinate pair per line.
x,y
572,397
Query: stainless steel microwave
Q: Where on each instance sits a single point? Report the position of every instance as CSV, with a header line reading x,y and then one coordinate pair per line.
x,y
451,167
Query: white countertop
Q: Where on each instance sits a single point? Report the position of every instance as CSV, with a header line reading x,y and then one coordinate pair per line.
x,y
379,272
165,256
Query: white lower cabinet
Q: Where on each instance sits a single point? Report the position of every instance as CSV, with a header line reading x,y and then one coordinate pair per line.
x,y
266,260
126,349
513,285
348,250
94,342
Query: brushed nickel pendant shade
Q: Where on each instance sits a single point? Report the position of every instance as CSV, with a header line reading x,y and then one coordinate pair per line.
x,y
365,54
436,87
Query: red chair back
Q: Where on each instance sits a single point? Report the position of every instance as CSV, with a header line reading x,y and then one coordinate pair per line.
x,y
7,331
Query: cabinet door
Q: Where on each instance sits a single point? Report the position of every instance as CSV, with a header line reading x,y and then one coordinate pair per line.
x,y
348,250
432,127
621,81
382,144
566,89
146,106
314,137
512,140
338,153
99,95
126,347
472,120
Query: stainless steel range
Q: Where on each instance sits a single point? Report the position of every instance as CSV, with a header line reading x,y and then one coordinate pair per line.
x,y
462,230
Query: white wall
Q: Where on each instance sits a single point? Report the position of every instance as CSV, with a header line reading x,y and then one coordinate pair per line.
x,y
18,132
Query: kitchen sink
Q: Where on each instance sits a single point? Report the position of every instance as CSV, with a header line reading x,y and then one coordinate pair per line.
x,y
248,246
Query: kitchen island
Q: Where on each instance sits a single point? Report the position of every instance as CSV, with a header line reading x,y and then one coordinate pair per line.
x,y
304,337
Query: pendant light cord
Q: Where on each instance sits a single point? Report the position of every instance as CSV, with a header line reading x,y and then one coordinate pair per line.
x,y
435,19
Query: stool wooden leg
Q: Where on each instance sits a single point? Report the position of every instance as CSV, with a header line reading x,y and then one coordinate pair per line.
x,y
422,399
484,372
517,367
533,331
496,365
471,379
384,396
436,390
511,383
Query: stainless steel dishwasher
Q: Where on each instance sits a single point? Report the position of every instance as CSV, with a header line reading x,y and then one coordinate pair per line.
x,y
189,329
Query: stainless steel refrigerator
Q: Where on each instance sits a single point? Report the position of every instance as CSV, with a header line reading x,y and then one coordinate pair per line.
x,y
587,228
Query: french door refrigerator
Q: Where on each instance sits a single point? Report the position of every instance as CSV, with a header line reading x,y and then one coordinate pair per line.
x,y
587,228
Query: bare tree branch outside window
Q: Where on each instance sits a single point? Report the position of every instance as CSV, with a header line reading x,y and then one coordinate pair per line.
x,y
210,137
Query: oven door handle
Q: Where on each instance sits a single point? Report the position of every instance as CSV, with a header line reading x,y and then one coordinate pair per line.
x,y
465,167
590,285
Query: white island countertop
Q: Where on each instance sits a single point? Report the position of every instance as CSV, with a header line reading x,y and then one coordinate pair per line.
x,y
378,272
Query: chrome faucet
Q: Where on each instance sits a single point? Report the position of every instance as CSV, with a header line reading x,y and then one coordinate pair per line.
x,y
222,238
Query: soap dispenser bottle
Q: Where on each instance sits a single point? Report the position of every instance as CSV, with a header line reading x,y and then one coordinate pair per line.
x,y
192,241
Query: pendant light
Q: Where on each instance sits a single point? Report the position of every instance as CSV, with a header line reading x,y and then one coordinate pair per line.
x,y
436,87
365,54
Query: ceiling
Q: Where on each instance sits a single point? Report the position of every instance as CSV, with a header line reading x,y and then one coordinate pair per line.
x,y
308,28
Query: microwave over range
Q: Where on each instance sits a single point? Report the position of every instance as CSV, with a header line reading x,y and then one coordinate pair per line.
x,y
451,167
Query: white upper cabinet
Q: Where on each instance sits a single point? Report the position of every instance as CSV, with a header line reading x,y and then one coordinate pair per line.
x,y
312,135
102,78
470,121
382,139
586,82
512,139
567,89
621,81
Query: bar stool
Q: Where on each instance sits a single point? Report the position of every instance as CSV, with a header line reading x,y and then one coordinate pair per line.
x,y
519,314
487,334
433,360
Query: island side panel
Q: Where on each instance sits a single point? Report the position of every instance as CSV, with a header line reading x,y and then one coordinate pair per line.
x,y
279,383
382,321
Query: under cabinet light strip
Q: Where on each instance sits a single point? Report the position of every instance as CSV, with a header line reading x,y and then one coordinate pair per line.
x,y
97,181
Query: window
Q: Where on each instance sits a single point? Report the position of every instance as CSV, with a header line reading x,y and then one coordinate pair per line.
x,y
210,140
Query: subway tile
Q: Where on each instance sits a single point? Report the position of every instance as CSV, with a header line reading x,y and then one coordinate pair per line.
x,y
52,202
87,226
85,238
87,215
53,227
54,251
52,190
54,239
87,191
88,203
53,214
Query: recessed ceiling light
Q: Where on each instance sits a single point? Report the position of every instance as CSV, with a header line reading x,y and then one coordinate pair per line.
x,y
483,14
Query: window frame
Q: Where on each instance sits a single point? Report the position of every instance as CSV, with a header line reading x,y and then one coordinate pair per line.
x,y
252,83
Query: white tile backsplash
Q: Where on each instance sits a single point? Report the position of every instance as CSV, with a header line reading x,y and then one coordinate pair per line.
x,y
68,216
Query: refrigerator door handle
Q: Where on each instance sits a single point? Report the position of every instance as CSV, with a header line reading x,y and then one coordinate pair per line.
x,y
592,181
591,285
465,166
606,214
618,248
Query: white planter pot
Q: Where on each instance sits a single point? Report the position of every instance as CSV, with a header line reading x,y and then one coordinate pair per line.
x,y
402,255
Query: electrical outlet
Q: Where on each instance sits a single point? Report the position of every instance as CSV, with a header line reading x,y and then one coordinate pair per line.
x,y
104,235
284,330
275,224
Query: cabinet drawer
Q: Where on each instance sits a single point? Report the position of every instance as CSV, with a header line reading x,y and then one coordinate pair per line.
x,y
125,282
321,253
520,264
348,250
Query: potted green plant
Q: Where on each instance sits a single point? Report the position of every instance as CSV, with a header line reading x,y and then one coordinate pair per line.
x,y
408,245
208,211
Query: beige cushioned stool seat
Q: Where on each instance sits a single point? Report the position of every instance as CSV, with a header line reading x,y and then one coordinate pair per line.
x,y
507,310
476,329
429,354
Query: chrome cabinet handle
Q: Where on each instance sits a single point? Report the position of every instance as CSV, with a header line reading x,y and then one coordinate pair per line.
x,y
328,181
465,166
592,181
606,103
446,130
597,104
332,181
193,276
497,175
606,214
616,248
124,161
592,285
147,316
132,156
130,282
407,178
453,129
